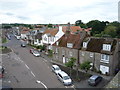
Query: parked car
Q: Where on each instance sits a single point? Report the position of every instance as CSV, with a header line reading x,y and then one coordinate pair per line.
x,y
56,69
23,45
94,80
64,78
1,71
36,53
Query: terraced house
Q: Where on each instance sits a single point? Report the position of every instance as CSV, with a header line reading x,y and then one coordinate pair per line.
x,y
68,45
103,53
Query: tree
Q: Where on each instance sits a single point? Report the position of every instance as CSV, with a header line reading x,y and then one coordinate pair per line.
x,y
85,65
97,26
80,23
110,30
49,25
70,63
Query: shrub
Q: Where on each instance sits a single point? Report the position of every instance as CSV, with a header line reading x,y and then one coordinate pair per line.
x,y
85,65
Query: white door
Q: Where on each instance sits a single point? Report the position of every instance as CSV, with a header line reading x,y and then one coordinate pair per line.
x,y
63,59
104,69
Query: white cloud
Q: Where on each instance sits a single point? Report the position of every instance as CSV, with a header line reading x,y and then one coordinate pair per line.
x,y
57,11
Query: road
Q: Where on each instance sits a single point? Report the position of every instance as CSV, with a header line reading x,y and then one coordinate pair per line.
x,y
23,70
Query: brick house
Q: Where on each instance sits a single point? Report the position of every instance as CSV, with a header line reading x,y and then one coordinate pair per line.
x,y
103,53
68,46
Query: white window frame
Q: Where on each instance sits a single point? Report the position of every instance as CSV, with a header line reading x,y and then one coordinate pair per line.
x,y
45,38
69,45
91,54
84,44
106,47
105,58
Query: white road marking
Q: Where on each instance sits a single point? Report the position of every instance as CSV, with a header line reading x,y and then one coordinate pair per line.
x,y
45,60
41,83
27,66
32,73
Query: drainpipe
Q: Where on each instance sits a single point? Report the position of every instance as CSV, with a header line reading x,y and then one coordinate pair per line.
x,y
93,62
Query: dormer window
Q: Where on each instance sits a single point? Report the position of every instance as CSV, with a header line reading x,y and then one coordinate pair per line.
x,y
84,44
69,45
106,47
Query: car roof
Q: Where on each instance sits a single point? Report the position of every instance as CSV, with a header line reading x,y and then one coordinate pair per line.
x,y
94,77
63,73
55,66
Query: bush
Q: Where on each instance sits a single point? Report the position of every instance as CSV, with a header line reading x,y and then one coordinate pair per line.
x,y
85,65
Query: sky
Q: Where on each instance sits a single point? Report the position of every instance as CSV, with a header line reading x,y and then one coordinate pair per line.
x,y
57,11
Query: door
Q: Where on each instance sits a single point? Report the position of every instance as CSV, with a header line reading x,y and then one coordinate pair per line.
x,y
104,69
63,59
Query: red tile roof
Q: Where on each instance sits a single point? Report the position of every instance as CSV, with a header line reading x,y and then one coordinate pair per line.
x,y
75,39
52,32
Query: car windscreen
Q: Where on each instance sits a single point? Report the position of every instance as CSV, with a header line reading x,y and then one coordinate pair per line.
x,y
91,80
66,77
57,68
36,52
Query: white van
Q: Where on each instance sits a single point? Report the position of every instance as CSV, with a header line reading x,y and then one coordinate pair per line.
x,y
64,78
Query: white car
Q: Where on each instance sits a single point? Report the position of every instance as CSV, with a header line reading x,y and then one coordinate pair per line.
x,y
36,53
64,78
56,69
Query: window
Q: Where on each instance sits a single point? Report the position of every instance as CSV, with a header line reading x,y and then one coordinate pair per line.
x,y
56,50
63,52
45,38
106,47
67,60
104,58
83,53
70,53
69,45
91,54
84,44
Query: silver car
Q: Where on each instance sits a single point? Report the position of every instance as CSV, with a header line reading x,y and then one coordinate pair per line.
x,y
64,78
56,69
36,53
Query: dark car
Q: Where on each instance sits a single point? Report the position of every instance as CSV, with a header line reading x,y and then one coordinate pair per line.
x,y
23,45
94,80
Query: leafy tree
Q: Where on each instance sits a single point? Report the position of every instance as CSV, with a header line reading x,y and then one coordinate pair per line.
x,y
7,27
85,65
70,63
110,30
97,26
49,25
80,23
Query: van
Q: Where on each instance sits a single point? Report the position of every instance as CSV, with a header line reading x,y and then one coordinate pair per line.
x,y
94,80
64,78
